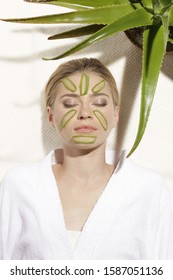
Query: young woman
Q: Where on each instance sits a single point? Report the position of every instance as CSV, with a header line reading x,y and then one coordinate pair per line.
x,y
81,202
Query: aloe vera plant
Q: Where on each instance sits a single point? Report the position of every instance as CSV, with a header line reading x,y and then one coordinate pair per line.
x,y
104,18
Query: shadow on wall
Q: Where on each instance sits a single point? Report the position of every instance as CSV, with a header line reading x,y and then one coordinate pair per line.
x,y
130,84
167,67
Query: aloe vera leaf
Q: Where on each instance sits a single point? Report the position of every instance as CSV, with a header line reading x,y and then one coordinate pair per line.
x,y
165,22
165,2
68,84
81,31
103,15
136,18
171,16
153,53
156,6
161,7
80,5
147,4
170,40
98,87
84,84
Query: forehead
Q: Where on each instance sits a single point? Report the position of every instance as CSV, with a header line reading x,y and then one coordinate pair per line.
x,y
83,83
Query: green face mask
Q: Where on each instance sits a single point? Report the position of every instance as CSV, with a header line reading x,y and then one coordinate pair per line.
x,y
98,87
84,90
67,117
83,85
84,139
69,85
101,118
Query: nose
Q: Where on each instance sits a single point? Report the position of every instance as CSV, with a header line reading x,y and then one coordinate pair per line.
x,y
84,112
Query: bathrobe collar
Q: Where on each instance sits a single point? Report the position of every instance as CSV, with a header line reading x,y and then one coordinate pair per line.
x,y
99,220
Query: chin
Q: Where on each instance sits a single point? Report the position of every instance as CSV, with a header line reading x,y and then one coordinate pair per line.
x,y
86,146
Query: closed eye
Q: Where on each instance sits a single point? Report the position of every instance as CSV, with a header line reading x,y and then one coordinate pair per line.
x,y
100,104
70,102
69,105
99,101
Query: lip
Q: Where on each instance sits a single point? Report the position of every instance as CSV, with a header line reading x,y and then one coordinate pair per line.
x,y
85,128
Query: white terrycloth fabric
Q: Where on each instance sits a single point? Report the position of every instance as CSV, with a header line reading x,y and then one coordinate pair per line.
x,y
131,219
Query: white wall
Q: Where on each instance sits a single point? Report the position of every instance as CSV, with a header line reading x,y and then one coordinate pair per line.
x,y
25,135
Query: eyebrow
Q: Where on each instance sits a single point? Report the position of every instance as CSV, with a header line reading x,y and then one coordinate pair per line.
x,y
70,95
78,96
100,94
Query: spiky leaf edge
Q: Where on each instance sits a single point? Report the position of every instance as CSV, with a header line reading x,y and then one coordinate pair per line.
x,y
103,15
80,5
153,52
138,18
78,32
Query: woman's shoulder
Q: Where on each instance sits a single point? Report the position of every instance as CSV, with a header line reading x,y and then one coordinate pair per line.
x,y
142,173
25,173
130,167
142,178
18,178
146,180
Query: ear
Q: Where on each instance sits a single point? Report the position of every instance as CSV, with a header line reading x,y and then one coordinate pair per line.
x,y
116,114
50,115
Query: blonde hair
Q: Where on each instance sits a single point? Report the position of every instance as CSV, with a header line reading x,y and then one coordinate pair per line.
x,y
79,65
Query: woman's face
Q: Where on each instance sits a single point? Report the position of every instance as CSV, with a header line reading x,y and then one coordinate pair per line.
x,y
83,113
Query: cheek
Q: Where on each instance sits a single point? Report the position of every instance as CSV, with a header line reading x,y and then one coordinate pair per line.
x,y
67,117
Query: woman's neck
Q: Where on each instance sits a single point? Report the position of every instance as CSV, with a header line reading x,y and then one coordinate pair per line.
x,y
85,164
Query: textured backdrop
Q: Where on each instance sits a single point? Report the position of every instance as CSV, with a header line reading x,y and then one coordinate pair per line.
x,y
25,135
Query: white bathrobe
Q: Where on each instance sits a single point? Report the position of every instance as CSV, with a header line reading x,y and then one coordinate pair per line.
x,y
131,220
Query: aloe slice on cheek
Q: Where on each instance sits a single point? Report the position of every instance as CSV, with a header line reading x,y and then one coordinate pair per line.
x,y
67,117
101,118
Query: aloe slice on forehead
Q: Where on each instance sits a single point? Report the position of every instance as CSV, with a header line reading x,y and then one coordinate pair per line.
x,y
67,117
98,87
84,84
69,85
101,118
